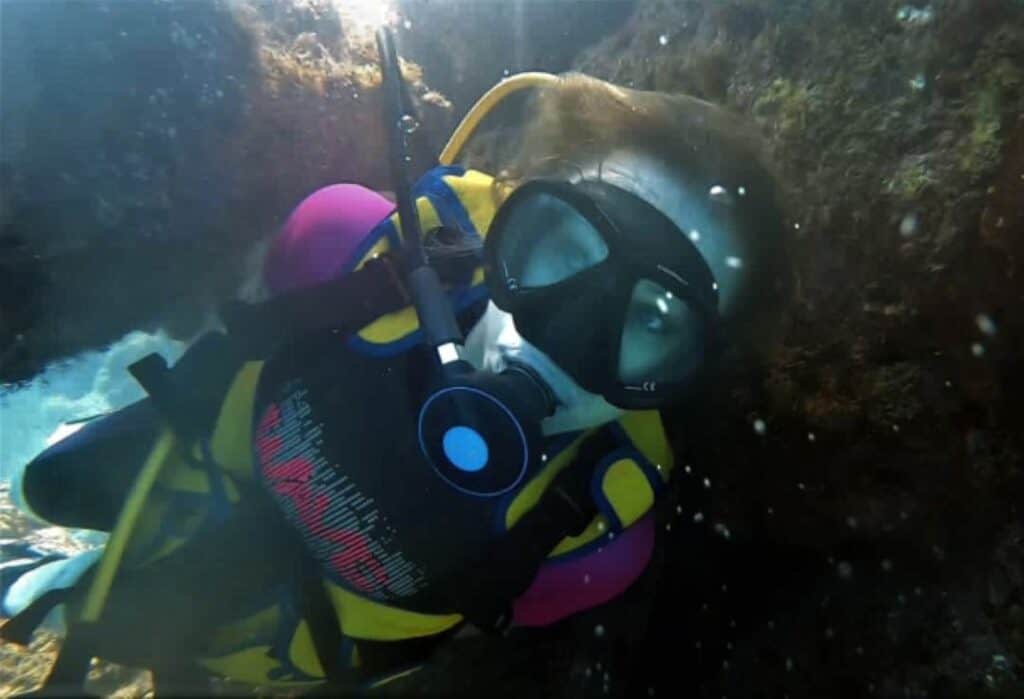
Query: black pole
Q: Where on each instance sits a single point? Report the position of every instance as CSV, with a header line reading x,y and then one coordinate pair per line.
x,y
401,120
437,319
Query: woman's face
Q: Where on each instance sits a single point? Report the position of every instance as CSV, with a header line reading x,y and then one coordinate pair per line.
x,y
568,233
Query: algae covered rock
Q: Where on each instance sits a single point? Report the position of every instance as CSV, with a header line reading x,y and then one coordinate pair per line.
x,y
868,474
148,146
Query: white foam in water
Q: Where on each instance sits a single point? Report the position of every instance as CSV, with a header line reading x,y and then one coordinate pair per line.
x,y
90,384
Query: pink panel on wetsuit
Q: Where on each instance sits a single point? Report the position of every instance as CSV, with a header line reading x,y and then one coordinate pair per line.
x,y
322,234
562,588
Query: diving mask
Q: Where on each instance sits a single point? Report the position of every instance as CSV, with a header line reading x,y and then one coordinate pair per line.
x,y
606,286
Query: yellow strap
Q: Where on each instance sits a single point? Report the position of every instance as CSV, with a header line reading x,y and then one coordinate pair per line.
x,y
485,104
130,511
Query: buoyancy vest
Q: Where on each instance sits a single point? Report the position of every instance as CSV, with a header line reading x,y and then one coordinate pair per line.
x,y
204,482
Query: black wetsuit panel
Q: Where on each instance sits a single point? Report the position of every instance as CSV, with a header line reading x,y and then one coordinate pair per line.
x,y
82,480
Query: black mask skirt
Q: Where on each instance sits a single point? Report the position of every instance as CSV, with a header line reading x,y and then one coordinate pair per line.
x,y
607,286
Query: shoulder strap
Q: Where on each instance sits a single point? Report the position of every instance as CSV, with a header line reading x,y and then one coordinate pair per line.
x,y
345,304
190,394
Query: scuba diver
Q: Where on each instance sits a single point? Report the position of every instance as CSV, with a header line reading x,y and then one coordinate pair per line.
x,y
441,416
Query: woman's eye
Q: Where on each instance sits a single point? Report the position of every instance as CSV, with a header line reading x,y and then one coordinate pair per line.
x,y
654,320
576,260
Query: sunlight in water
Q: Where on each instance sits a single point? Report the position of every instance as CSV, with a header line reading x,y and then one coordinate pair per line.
x,y
368,14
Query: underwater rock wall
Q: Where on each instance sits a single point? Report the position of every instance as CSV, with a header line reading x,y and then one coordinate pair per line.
x,y
111,114
466,46
866,484
147,146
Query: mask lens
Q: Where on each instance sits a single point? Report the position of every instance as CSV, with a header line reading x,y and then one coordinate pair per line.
x,y
662,339
544,241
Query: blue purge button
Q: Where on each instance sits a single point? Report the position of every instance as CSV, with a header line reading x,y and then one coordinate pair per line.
x,y
465,448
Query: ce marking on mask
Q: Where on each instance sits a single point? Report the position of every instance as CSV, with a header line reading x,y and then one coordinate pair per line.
x,y
645,387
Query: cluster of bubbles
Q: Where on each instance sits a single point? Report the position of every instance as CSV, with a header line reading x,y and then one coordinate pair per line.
x,y
915,16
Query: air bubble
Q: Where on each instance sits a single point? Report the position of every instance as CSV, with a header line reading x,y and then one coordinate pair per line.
x,y
978,349
985,324
599,632
408,123
886,565
663,39
707,482
742,191
694,235
760,427
811,437
845,570
734,262
908,225
698,517
720,195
